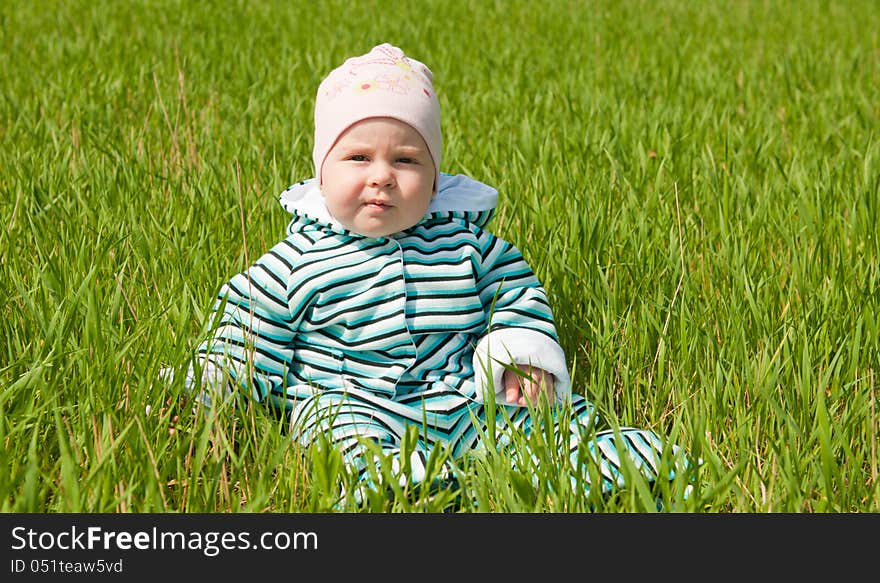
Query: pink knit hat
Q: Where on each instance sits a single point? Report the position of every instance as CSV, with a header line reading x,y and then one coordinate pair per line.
x,y
382,83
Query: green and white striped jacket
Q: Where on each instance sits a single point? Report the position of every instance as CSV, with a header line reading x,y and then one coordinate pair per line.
x,y
443,304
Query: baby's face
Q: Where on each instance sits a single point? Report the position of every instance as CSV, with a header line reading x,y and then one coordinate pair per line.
x,y
378,178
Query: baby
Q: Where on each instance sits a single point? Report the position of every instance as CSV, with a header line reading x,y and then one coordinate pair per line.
x,y
388,304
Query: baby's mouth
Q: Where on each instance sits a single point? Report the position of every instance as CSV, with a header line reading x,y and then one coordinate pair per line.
x,y
376,204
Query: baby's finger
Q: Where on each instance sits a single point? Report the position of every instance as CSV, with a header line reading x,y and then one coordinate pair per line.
x,y
534,389
547,386
511,388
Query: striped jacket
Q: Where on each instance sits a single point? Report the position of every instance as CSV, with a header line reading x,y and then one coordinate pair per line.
x,y
441,305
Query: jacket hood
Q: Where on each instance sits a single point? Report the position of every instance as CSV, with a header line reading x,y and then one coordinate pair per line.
x,y
458,197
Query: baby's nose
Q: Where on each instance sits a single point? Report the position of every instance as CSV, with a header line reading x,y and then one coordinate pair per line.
x,y
381,175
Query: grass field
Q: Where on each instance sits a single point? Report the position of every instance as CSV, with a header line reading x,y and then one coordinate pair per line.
x,y
697,185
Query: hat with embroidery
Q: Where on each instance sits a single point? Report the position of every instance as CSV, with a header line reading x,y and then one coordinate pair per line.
x,y
382,83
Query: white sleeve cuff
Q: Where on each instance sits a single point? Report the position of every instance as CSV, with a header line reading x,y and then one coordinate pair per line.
x,y
213,388
517,346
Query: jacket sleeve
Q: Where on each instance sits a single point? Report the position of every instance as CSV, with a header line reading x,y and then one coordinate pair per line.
x,y
521,328
255,321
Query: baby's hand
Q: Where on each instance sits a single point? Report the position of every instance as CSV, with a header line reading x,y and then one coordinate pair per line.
x,y
522,390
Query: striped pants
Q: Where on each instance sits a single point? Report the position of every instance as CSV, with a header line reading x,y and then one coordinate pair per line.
x,y
444,418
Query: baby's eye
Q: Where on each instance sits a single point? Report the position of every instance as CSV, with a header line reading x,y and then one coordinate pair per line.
x,y
406,160
357,158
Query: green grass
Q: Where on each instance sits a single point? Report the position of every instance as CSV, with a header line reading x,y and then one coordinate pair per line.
x,y
696,183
